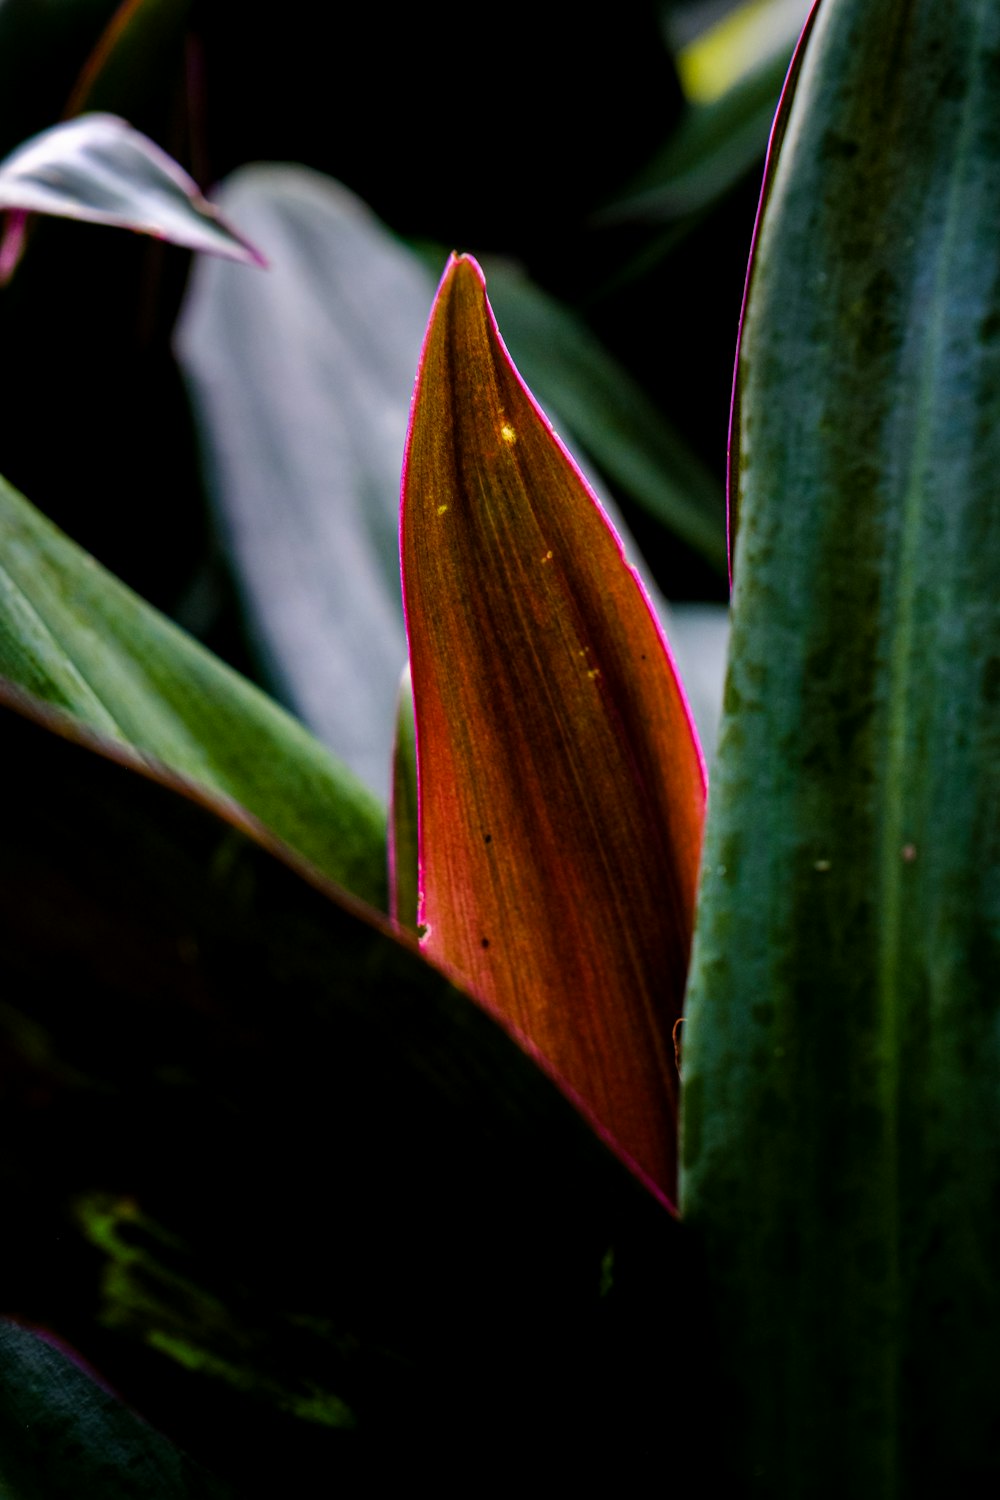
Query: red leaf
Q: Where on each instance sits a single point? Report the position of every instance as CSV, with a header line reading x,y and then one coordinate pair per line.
x,y
561,784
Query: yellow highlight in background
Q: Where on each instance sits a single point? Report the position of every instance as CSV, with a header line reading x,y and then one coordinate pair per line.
x,y
736,45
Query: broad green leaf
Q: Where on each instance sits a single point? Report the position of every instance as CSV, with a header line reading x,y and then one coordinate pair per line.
x,y
74,636
299,1199
841,1059
64,1436
609,416
561,785
98,169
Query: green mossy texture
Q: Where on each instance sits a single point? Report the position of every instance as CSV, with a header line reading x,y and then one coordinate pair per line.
x,y
842,1068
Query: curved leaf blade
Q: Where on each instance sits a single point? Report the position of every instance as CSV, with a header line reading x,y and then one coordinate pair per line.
x,y
777,136
560,781
842,1068
76,637
96,168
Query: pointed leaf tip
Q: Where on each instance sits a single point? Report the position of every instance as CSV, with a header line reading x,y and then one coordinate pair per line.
x,y
561,783
98,169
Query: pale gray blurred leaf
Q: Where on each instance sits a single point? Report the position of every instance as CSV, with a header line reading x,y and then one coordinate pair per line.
x,y
302,382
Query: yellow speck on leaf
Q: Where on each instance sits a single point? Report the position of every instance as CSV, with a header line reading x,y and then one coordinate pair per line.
x,y
547,557
442,509
508,434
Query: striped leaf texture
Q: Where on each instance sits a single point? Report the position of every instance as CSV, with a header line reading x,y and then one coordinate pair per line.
x,y
841,1065
561,787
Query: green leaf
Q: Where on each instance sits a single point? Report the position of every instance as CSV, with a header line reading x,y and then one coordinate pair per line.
x,y
64,1436
77,638
841,1062
561,785
98,169
299,1198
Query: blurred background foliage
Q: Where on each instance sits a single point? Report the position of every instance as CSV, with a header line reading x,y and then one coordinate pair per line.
x,y
612,163
606,172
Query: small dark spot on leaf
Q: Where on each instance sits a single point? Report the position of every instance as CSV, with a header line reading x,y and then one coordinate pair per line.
x,y
989,327
485,942
839,146
487,838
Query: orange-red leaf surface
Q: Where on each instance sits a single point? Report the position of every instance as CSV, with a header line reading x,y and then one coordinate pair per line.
x,y
561,784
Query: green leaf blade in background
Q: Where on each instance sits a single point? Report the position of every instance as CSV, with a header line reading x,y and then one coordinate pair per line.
x,y
841,1068
587,392
331,1156
74,636
732,76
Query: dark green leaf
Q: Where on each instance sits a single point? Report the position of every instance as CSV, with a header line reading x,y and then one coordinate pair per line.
x,y
841,1059
64,1436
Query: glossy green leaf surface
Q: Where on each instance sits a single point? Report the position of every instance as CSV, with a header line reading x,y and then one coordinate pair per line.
x,y
841,1065
64,1436
74,636
98,169
298,1198
560,780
